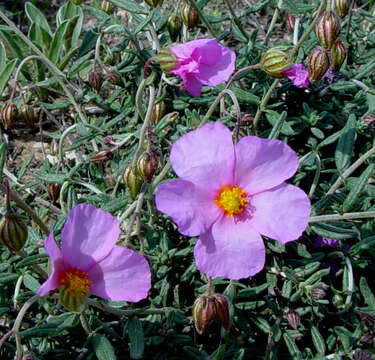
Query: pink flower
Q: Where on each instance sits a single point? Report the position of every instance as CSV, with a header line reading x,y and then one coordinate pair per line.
x,y
202,62
89,261
298,75
229,195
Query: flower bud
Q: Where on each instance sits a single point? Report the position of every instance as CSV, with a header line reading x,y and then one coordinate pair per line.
x,y
342,7
53,191
115,78
13,232
29,357
189,16
154,3
8,115
338,55
166,59
53,147
204,312
327,29
318,293
293,319
318,64
290,21
173,116
276,60
222,311
132,180
157,112
147,165
360,354
77,2
107,7
174,25
27,115
73,303
95,80
101,156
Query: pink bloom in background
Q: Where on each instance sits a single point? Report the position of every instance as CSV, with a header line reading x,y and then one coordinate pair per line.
x,y
202,62
298,74
229,195
89,261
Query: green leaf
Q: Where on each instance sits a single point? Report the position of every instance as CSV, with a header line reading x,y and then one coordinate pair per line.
x,y
334,230
3,156
130,6
318,341
5,74
245,96
136,337
58,42
344,149
3,56
367,293
31,283
296,8
356,190
103,348
36,16
292,347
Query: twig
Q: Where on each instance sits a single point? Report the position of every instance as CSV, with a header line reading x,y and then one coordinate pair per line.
x,y
273,22
239,72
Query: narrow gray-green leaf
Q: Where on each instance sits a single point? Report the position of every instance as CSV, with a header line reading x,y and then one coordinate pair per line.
x,y
35,15
5,74
318,341
136,337
130,6
103,348
3,56
367,293
57,42
344,149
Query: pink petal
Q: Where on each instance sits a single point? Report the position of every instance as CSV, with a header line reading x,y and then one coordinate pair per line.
x,y
185,50
215,74
192,85
88,236
205,156
262,164
124,275
57,265
298,75
209,54
231,250
281,213
190,207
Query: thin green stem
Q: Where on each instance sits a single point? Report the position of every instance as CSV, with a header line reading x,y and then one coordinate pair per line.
x,y
239,72
273,22
347,216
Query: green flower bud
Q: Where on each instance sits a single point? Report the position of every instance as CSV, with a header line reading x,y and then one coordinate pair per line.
x,y
27,115
77,2
328,29
338,55
13,232
71,302
318,64
276,60
8,115
342,7
174,25
132,180
154,3
107,7
222,311
147,165
204,312
166,59
189,16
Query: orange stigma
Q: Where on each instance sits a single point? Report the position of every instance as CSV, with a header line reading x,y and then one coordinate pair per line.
x,y
232,199
75,281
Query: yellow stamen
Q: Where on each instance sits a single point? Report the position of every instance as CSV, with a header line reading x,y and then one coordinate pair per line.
x,y
75,281
232,199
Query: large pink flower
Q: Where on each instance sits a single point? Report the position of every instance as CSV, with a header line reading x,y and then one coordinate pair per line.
x,y
89,261
230,195
202,62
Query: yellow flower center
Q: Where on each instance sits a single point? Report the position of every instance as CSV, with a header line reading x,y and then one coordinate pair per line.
x,y
75,281
232,199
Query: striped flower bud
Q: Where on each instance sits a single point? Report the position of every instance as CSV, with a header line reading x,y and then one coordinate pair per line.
x,y
342,7
276,60
174,25
147,165
328,29
204,312
154,3
318,64
189,16
158,111
338,55
222,309
95,80
27,115
290,20
166,59
107,7
132,180
53,191
293,319
13,232
8,115
77,2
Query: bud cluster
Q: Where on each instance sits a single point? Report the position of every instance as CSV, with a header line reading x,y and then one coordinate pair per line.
x,y
206,309
10,112
187,15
